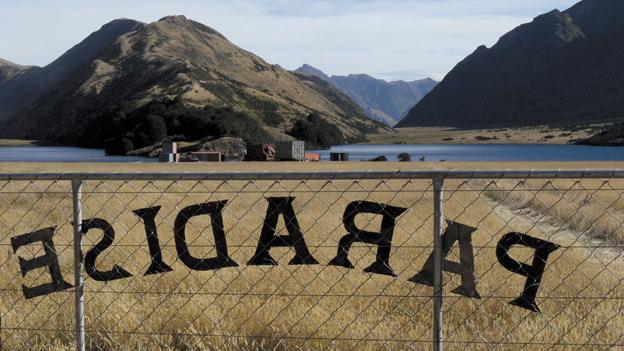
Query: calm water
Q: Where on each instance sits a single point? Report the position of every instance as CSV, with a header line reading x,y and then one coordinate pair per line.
x,y
534,152
358,153
62,154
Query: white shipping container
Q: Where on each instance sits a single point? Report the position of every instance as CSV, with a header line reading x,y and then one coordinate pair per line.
x,y
290,150
169,147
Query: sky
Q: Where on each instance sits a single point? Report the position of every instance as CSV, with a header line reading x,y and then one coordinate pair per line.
x,y
388,39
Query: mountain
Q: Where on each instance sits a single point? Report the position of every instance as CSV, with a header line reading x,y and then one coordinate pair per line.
x,y
131,84
313,71
562,67
27,88
387,102
9,69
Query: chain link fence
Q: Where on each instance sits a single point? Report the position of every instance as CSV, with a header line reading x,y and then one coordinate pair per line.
x,y
312,261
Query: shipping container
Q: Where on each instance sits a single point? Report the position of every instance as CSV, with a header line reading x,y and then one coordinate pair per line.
x,y
260,152
169,147
290,150
339,156
208,156
312,156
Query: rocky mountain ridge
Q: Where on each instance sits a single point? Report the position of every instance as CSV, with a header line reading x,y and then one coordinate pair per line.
x,y
383,101
563,67
9,69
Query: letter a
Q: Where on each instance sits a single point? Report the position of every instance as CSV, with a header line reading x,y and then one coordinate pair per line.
x,y
268,239
465,267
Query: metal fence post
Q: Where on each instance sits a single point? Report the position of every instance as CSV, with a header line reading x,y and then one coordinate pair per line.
x,y
78,282
438,188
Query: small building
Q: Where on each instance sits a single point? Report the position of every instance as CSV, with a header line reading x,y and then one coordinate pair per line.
x,y
339,156
260,152
290,150
169,152
208,156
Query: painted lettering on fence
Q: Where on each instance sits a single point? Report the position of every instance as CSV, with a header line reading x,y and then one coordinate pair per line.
x,y
283,206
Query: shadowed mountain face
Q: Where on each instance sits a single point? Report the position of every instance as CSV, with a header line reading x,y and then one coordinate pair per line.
x,y
562,67
127,69
387,102
612,136
9,69
27,88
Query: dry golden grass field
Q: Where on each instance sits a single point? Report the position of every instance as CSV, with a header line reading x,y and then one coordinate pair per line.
x,y
526,135
317,307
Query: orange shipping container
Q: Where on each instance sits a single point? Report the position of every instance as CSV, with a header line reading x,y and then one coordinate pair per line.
x,y
311,156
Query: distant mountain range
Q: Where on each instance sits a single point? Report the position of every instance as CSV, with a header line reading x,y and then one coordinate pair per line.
x,y
387,102
131,84
562,67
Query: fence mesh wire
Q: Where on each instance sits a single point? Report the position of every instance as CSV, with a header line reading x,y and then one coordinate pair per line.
x,y
195,299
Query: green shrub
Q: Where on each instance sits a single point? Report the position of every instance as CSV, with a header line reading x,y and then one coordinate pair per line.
x,y
119,133
316,132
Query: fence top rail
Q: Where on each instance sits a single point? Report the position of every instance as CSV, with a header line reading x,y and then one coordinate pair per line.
x,y
326,175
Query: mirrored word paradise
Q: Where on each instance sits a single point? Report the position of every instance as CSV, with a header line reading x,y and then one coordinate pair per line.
x,y
455,235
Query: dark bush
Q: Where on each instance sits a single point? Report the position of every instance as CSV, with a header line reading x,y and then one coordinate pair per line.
x,y
119,133
404,157
484,138
316,132
156,127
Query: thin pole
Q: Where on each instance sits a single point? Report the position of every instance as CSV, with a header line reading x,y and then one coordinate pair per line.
x,y
79,284
438,188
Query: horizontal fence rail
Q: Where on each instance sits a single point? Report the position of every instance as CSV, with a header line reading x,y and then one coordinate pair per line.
x,y
456,260
343,175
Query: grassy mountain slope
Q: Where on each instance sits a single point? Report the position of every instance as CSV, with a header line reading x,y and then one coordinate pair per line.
x,y
26,89
179,64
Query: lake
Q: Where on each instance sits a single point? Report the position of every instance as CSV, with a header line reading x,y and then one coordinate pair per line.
x,y
482,152
62,154
531,152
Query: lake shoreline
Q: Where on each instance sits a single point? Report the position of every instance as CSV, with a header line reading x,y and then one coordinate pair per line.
x,y
17,142
545,134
